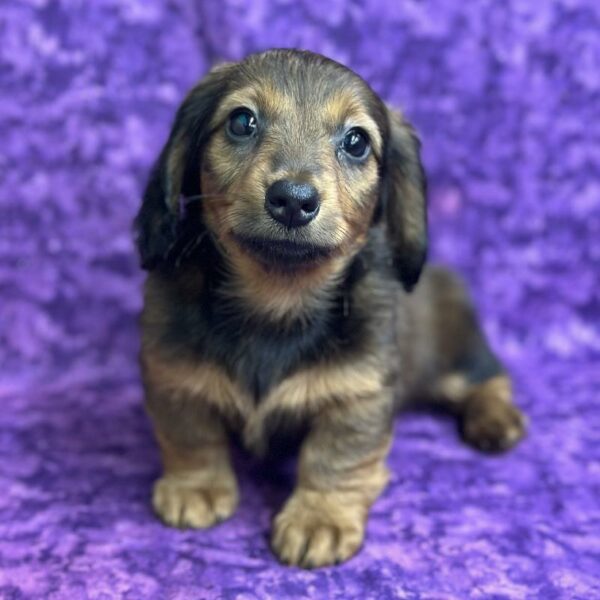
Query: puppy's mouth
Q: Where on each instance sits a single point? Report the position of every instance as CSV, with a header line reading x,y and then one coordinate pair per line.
x,y
284,255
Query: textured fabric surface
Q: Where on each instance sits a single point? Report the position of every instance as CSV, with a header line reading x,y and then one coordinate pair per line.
x,y
506,96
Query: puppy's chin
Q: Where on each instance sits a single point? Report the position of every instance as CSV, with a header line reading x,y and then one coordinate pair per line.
x,y
285,256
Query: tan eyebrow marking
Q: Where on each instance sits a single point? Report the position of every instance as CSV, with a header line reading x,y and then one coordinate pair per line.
x,y
347,108
244,97
264,98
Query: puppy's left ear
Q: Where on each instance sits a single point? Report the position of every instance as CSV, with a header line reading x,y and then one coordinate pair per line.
x,y
405,200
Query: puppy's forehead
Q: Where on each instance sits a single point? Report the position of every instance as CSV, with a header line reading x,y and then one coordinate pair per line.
x,y
329,104
304,91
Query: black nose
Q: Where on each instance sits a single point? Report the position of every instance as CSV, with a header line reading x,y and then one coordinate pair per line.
x,y
293,204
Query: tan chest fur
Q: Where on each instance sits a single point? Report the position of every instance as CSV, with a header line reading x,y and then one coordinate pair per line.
x,y
303,394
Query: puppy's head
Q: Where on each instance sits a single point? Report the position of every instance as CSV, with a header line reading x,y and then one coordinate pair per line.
x,y
292,158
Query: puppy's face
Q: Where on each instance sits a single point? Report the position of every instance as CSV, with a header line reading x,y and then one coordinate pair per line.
x,y
291,170
293,158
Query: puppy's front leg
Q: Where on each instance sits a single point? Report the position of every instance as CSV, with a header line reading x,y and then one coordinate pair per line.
x,y
341,472
198,487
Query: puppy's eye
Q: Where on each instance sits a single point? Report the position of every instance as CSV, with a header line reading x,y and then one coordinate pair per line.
x,y
242,123
356,143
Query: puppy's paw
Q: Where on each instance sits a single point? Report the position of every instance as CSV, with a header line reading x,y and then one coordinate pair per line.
x,y
313,530
492,424
181,504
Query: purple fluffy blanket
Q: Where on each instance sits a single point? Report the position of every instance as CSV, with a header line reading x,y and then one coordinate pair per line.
x,y
506,96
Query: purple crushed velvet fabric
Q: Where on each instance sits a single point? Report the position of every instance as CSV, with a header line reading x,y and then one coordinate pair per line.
x,y
506,96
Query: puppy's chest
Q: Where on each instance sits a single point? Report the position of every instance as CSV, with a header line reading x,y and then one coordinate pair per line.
x,y
256,355
265,379
258,360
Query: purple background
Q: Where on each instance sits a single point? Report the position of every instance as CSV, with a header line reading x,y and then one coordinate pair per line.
x,y
507,99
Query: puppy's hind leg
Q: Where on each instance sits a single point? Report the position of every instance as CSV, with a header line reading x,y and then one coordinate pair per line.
x,y
471,381
488,418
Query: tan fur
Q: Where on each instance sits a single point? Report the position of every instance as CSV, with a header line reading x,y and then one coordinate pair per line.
x,y
175,169
313,390
317,528
282,298
198,487
347,106
323,522
307,392
453,388
491,421
261,95
206,383
499,388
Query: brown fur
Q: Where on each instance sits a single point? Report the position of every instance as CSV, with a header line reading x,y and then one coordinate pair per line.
x,y
236,340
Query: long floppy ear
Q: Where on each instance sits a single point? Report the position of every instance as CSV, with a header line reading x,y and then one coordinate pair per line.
x,y
176,172
405,201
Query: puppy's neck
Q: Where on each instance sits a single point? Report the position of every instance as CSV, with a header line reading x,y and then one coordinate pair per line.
x,y
284,298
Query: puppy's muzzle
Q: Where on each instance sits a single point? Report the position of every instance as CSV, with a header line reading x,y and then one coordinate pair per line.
x,y
293,204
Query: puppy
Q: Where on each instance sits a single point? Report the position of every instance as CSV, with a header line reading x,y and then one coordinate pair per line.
x,y
284,232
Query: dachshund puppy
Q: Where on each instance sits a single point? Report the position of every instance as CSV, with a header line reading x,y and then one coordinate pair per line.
x,y
284,231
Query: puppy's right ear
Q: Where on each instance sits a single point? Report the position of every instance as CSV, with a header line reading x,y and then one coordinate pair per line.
x,y
176,173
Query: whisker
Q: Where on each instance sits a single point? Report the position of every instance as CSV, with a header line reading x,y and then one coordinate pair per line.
x,y
185,201
189,248
189,199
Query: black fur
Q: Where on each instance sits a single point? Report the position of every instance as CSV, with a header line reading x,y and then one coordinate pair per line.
x,y
405,202
156,226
